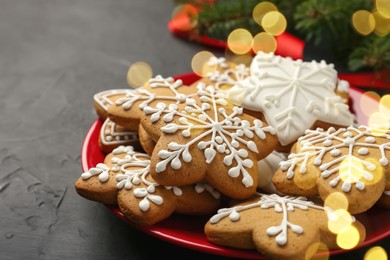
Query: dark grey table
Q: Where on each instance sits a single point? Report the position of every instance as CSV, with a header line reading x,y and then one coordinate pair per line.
x,y
54,55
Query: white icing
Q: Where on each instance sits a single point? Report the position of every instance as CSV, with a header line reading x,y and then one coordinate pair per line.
x,y
223,133
343,86
267,168
282,204
133,170
101,170
229,76
141,94
343,164
110,136
292,95
387,192
220,61
103,98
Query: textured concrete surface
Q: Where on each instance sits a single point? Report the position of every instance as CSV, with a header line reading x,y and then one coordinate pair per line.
x,y
54,55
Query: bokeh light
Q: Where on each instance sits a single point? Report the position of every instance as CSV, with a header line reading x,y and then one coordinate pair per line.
x,y
382,24
185,17
363,22
351,169
384,106
319,249
240,41
377,173
200,63
264,42
336,200
375,253
339,220
139,73
383,7
274,23
368,102
378,123
261,9
348,238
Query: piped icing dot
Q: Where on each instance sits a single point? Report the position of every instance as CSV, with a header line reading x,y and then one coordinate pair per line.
x,y
370,139
335,152
327,143
363,151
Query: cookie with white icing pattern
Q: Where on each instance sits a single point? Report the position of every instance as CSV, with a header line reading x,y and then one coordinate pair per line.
x,y
124,179
292,95
280,227
145,140
128,108
353,161
104,99
112,136
208,138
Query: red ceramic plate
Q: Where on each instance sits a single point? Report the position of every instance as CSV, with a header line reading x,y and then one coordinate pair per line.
x,y
187,231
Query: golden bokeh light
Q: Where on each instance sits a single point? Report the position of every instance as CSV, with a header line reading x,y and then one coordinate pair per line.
x,y
378,123
336,200
261,9
242,59
319,249
339,220
348,238
274,23
376,253
240,41
383,7
185,17
363,22
351,169
382,24
384,106
377,173
139,73
368,102
200,64
264,42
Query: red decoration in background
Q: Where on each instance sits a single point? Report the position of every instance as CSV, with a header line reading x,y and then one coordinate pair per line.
x,y
287,45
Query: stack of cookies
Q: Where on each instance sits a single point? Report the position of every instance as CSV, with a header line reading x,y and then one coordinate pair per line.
x,y
258,149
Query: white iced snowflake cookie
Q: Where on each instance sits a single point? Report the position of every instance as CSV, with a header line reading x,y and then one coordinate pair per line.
x,y
128,109
353,161
124,177
267,168
208,138
104,99
292,95
280,227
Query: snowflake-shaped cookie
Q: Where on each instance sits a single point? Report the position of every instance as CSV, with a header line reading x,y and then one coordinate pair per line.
x,y
351,160
281,227
208,138
292,95
124,178
128,109
112,136
103,100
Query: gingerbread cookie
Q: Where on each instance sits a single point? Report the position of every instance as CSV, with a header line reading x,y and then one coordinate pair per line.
x,y
207,138
267,168
292,95
280,227
145,140
353,161
128,109
103,100
125,179
112,136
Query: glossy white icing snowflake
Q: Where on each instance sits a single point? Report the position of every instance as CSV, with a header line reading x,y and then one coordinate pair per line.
x,y
147,97
350,168
292,94
281,204
110,136
224,131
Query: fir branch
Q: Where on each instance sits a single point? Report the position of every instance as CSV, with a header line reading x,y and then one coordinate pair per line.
x,y
372,53
319,19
